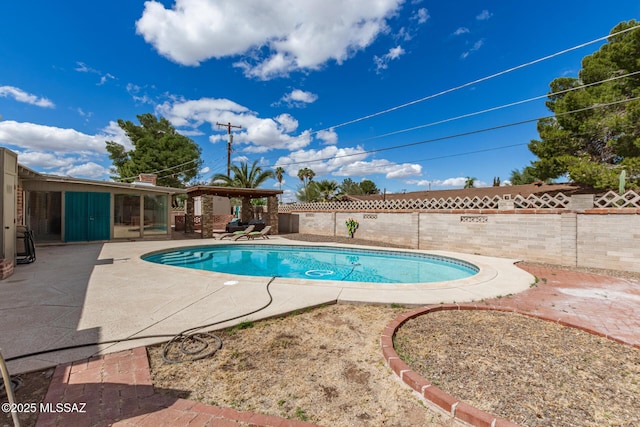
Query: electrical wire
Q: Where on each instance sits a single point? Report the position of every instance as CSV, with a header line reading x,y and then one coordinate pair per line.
x,y
474,132
471,83
500,107
480,80
158,171
476,113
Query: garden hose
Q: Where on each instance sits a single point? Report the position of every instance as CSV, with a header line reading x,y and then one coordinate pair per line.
x,y
193,345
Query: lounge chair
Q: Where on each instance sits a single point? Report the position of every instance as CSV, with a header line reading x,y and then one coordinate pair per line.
x,y
221,236
254,234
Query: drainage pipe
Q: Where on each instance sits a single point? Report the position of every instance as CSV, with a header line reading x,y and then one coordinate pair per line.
x,y
7,385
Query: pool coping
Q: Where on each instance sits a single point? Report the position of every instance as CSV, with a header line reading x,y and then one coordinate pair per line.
x,y
496,277
105,295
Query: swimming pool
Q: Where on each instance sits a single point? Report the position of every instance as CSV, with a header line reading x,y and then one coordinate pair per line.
x,y
317,263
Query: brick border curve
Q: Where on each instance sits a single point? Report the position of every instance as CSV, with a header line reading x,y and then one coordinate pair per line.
x,y
457,408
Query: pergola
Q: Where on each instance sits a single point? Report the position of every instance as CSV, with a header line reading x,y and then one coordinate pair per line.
x,y
207,192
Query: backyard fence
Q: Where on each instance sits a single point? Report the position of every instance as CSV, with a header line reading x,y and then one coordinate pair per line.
x,y
585,230
610,199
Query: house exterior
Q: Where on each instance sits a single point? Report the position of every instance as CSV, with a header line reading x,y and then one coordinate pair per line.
x,y
64,209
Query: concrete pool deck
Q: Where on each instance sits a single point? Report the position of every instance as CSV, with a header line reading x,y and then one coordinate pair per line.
x,y
89,293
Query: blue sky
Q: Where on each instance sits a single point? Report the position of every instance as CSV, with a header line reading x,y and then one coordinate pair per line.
x,y
324,84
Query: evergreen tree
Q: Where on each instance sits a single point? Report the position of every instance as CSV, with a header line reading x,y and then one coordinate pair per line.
x,y
157,148
590,143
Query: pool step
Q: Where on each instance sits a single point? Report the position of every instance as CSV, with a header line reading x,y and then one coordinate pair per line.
x,y
181,258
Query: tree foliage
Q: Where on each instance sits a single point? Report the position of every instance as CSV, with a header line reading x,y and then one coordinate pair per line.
x,y
586,140
327,189
524,176
366,186
469,182
369,187
349,186
243,176
156,147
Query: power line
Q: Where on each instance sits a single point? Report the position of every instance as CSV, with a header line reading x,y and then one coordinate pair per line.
x,y
451,119
474,132
488,110
158,171
471,83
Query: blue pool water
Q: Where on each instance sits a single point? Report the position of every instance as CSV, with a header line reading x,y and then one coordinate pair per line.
x,y
316,262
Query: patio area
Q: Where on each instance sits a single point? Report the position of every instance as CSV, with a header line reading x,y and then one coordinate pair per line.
x,y
97,292
104,293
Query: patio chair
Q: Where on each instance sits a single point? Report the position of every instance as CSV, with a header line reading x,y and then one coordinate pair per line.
x,y
255,234
221,236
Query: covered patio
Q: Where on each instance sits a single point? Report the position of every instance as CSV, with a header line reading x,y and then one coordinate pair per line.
x,y
208,193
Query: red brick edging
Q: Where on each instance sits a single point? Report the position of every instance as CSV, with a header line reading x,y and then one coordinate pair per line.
x,y
450,404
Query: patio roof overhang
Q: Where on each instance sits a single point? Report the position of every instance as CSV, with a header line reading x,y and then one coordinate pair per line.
x,y
210,190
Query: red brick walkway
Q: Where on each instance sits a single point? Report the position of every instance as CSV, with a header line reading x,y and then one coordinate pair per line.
x,y
117,387
601,305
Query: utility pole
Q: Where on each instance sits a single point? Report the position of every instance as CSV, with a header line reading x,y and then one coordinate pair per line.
x,y
229,126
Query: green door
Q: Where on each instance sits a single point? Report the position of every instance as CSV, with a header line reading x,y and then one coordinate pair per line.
x,y
87,216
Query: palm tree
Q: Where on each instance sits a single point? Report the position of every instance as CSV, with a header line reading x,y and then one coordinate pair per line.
x,y
279,175
244,177
469,182
327,189
306,176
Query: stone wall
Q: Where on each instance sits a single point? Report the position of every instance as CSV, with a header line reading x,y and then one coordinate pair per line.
x,y
609,241
601,238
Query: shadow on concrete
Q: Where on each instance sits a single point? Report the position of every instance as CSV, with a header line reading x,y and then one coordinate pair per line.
x,y
48,296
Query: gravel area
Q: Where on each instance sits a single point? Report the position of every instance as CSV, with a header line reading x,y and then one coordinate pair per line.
x,y
529,371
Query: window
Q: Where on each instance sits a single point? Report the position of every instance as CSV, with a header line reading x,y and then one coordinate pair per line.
x,y
44,215
126,216
155,214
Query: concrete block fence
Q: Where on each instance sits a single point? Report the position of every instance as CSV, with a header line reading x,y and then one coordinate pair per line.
x,y
597,237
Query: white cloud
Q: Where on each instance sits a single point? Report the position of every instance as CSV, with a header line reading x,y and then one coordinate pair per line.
x,y
240,159
89,170
457,182
65,165
382,62
344,162
422,15
257,134
22,96
61,151
329,137
333,158
476,46
104,77
484,15
299,98
113,132
194,113
277,37
390,169
48,138
460,31
43,160
403,171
